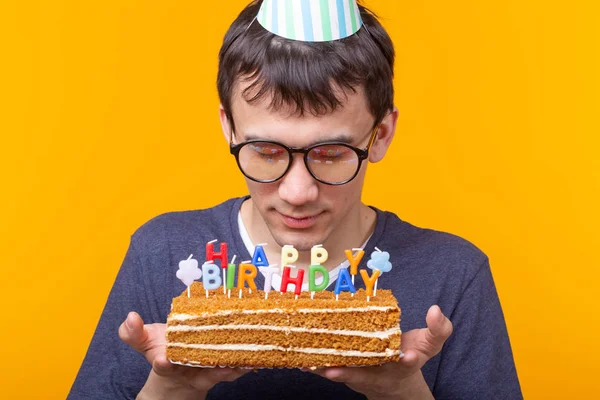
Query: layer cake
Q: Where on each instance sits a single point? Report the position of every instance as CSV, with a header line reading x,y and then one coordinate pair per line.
x,y
282,331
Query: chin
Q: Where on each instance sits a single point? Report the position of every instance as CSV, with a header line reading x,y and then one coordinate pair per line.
x,y
301,240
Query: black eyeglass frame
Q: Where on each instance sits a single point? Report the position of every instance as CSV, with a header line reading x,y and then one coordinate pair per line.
x,y
362,154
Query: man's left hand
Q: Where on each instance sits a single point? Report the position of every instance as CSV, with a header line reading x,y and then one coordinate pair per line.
x,y
402,379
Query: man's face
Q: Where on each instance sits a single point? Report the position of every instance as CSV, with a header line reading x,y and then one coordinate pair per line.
x,y
297,209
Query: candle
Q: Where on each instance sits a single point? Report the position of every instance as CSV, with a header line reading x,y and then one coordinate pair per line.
x,y
211,280
318,255
289,255
226,277
369,282
211,255
269,271
230,277
246,274
343,283
259,258
380,260
354,260
312,285
286,280
188,272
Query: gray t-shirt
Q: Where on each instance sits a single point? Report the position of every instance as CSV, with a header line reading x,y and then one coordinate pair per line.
x,y
429,267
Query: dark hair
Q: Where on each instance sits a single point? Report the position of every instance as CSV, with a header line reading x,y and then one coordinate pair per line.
x,y
306,75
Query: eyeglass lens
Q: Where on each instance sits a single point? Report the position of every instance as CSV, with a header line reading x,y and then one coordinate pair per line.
x,y
265,161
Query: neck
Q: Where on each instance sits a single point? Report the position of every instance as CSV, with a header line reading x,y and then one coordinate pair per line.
x,y
352,232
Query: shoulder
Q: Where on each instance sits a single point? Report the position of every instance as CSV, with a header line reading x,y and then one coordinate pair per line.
x,y
430,258
185,226
432,244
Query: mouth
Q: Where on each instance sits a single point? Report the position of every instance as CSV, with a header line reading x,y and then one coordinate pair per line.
x,y
299,221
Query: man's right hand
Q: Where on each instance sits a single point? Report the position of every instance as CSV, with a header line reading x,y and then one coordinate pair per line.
x,y
168,380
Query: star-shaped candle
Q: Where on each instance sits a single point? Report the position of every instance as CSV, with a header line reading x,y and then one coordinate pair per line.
x,y
188,272
380,261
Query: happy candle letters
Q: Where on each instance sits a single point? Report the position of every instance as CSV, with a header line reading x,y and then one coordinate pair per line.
x,y
291,277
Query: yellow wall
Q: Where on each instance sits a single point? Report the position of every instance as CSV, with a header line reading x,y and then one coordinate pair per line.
x,y
109,117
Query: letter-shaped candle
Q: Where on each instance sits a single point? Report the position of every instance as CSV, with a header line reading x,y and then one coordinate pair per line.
x,y
289,255
354,260
211,279
221,255
343,283
286,280
312,284
259,258
230,276
318,255
369,282
211,255
268,272
246,274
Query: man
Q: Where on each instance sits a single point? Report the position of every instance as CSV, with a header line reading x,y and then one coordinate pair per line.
x,y
303,118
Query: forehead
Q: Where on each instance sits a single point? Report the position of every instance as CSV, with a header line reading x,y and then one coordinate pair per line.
x,y
285,123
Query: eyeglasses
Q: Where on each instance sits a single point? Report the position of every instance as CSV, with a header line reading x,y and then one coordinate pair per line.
x,y
331,163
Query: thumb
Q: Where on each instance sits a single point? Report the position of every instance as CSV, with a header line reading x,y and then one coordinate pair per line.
x,y
439,329
133,333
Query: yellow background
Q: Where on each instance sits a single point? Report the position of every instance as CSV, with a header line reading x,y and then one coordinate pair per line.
x,y
109,117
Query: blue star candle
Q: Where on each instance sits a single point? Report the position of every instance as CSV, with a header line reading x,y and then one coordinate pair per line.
x,y
380,260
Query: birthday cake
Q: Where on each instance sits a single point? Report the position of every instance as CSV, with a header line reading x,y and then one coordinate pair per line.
x,y
282,330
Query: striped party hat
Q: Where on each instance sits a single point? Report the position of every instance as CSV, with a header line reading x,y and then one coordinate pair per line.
x,y
310,20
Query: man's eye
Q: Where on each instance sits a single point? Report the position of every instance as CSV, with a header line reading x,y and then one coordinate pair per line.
x,y
266,150
331,153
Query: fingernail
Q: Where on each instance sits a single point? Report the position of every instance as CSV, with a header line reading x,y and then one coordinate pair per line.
x,y
440,316
127,322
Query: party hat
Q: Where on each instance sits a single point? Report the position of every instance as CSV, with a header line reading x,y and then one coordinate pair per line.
x,y
310,20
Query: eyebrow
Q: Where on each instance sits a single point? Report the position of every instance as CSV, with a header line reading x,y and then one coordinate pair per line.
x,y
343,138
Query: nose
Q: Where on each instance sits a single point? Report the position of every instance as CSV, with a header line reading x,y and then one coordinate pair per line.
x,y
298,187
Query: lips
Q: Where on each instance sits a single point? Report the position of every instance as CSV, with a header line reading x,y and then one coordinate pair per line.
x,y
299,222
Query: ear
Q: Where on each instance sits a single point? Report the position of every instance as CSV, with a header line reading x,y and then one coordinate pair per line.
x,y
386,132
225,125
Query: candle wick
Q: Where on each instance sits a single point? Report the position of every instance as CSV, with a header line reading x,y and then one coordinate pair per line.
x,y
378,250
190,257
233,259
213,241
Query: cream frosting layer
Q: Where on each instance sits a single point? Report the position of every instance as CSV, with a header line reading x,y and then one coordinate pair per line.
x,y
185,317
379,335
265,347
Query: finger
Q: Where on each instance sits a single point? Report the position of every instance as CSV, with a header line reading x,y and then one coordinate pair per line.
x,y
162,366
228,374
439,329
410,359
132,331
349,375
